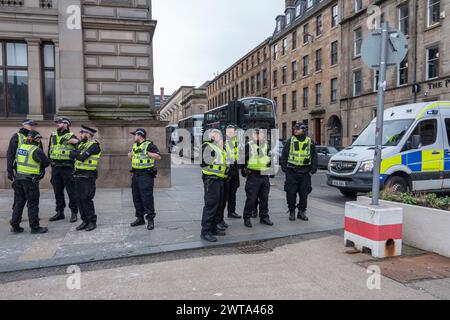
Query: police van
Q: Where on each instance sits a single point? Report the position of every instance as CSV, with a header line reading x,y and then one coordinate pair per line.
x,y
415,157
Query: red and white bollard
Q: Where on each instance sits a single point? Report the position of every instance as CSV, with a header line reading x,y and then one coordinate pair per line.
x,y
378,228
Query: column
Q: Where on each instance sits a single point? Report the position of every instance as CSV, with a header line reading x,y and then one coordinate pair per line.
x,y
34,79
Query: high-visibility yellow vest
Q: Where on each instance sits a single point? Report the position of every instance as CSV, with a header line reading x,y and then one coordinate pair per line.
x,y
302,156
140,158
60,147
91,163
20,139
233,150
218,167
24,160
259,159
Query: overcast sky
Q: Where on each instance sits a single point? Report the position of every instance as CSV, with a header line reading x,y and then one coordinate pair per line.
x,y
196,38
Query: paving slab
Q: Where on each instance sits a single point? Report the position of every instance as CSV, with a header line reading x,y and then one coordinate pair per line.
x,y
178,225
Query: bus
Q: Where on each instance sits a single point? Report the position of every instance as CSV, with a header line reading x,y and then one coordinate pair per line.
x,y
194,125
171,136
246,113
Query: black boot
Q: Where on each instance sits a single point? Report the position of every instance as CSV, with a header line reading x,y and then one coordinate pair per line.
x,y
248,223
58,216
292,216
219,233
223,225
39,230
302,215
17,229
255,214
234,215
266,221
208,237
74,217
139,222
82,226
150,224
91,227
220,227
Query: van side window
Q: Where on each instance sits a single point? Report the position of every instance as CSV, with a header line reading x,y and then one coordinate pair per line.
x,y
428,132
447,127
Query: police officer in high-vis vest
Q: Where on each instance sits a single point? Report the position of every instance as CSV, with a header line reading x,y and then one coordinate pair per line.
x,y
214,174
61,143
30,164
86,157
143,156
299,162
258,172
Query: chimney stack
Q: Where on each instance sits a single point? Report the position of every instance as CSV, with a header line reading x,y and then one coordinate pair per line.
x,y
162,95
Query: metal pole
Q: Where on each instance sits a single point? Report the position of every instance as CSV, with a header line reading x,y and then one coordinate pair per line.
x,y
380,114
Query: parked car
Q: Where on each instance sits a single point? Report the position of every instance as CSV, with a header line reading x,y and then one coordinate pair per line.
x,y
324,154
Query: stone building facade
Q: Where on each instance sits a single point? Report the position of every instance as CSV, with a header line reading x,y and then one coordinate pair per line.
x,y
249,76
185,102
89,60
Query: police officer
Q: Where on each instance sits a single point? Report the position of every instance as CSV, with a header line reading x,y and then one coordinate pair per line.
x,y
233,182
87,157
143,156
30,165
61,144
299,162
258,171
214,174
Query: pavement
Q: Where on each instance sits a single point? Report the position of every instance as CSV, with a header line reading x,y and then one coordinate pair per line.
x,y
179,211
299,268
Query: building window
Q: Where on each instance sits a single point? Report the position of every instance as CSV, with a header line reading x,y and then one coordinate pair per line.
x,y
242,89
318,60
318,94
432,63
265,53
334,89
247,87
13,79
434,12
275,51
284,48
253,84
45,3
309,4
294,70
258,81
306,33
258,57
294,40
284,131
305,66
265,78
275,78
284,103
403,19
283,74
294,100
358,41
334,53
253,61
305,98
48,55
319,25
334,16
357,84
358,5
403,72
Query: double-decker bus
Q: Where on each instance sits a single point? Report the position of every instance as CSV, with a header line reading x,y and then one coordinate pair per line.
x,y
194,125
246,113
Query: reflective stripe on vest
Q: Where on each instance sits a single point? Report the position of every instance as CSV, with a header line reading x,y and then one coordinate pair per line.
x,y
300,156
24,159
20,139
259,160
91,163
232,150
61,151
140,158
218,168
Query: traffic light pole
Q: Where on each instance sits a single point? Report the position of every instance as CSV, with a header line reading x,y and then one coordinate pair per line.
x,y
380,114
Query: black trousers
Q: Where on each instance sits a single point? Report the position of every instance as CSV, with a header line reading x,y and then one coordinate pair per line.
x,y
257,187
230,189
297,183
26,193
213,198
142,189
85,192
62,178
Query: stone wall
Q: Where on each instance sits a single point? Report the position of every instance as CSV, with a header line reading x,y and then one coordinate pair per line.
x,y
115,140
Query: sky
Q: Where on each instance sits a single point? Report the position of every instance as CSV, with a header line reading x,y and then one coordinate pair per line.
x,y
196,38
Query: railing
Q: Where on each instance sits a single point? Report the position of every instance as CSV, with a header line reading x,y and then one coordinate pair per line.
x,y
11,3
45,3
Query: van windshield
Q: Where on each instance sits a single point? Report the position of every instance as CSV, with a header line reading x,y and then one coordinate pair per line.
x,y
393,132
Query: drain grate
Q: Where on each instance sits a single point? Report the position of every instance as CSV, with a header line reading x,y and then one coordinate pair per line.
x,y
253,249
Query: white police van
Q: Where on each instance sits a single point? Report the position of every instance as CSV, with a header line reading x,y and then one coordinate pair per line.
x,y
415,157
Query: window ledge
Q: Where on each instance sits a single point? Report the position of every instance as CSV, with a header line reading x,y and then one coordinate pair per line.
x,y
433,26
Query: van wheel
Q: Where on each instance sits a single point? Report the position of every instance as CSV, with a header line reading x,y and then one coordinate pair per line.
x,y
348,194
397,184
